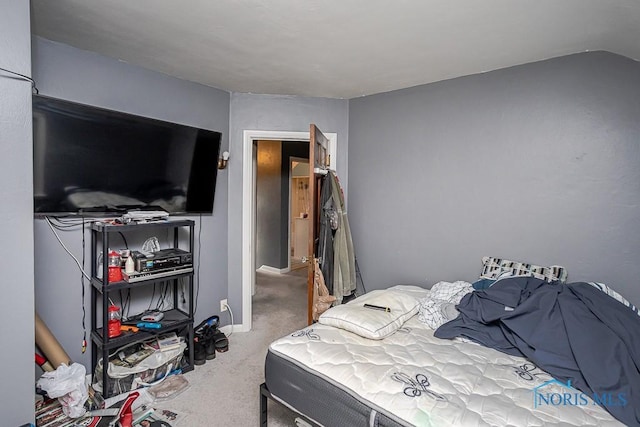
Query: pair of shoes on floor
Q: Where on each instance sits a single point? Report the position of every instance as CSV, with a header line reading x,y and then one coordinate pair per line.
x,y
204,346
214,337
200,355
208,340
216,340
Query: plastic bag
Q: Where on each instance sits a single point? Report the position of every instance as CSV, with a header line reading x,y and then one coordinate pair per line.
x,y
153,368
156,360
67,383
322,300
169,388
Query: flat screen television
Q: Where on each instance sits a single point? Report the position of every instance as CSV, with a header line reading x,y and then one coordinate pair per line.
x,y
93,161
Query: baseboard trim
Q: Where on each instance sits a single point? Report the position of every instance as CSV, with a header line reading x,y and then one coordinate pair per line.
x,y
274,270
229,329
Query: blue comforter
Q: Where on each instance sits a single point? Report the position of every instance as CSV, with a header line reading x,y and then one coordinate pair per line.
x,y
574,332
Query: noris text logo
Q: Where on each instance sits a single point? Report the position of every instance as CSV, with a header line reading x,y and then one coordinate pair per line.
x,y
557,393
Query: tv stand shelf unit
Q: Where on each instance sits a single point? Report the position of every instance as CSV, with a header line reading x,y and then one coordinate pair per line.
x,y
178,319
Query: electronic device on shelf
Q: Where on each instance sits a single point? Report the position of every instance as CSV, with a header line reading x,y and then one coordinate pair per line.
x,y
152,316
144,215
148,275
161,260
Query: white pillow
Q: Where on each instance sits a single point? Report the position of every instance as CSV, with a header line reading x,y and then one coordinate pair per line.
x,y
373,323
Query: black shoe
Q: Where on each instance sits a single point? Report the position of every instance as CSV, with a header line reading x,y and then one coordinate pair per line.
x,y
209,342
212,321
221,342
199,351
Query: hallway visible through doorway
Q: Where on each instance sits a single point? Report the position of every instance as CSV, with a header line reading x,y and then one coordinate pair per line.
x,y
298,212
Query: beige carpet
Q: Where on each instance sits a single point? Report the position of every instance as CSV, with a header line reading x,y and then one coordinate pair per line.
x,y
225,391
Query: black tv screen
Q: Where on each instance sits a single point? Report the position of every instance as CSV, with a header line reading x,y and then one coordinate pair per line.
x,y
88,160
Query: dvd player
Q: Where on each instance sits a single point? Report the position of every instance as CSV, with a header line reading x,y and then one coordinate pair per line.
x,y
161,260
158,274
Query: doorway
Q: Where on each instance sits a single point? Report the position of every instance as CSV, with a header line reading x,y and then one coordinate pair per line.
x,y
281,204
298,212
250,137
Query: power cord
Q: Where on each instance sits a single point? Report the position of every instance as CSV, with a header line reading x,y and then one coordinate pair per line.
x,y
359,274
84,310
125,303
84,273
230,314
80,266
23,77
162,299
195,302
153,294
124,239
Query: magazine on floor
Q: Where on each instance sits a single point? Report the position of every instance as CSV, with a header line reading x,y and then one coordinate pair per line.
x,y
155,416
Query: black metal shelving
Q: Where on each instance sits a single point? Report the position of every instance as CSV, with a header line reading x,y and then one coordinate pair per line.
x,y
176,319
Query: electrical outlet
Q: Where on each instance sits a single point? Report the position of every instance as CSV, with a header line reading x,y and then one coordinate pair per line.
x,y
223,305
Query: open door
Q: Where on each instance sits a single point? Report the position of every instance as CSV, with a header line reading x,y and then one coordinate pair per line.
x,y
318,167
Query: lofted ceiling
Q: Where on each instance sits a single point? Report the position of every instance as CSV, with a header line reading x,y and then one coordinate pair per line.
x,y
336,48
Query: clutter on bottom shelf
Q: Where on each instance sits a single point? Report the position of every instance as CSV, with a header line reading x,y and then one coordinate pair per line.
x,y
137,365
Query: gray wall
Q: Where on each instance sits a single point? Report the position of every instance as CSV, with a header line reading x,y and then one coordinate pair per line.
x,y
537,163
16,210
68,73
275,113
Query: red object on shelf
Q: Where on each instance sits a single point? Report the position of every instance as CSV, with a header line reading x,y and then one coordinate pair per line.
x,y
114,321
115,269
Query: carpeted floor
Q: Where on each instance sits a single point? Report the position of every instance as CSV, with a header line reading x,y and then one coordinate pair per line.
x,y
225,391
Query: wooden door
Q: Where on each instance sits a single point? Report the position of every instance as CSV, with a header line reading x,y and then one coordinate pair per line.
x,y
318,165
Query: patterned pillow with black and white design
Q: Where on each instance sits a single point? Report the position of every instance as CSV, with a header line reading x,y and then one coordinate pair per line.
x,y
439,307
495,268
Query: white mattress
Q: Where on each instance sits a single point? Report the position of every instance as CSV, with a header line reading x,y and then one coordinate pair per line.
x,y
468,384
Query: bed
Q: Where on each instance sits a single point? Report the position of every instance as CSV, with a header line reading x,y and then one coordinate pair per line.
x,y
353,369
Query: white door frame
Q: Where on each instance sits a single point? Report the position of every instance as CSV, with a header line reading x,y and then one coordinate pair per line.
x,y
249,209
